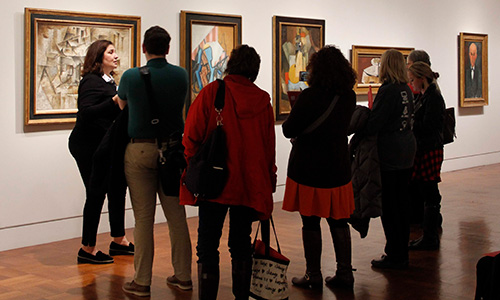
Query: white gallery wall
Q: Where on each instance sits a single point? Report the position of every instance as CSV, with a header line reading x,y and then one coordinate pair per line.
x,y
41,193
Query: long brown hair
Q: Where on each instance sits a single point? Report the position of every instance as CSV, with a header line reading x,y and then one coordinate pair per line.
x,y
93,59
393,67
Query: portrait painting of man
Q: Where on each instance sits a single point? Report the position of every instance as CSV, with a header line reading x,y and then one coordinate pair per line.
x,y
473,70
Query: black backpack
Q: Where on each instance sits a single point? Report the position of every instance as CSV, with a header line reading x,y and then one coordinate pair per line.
x,y
207,174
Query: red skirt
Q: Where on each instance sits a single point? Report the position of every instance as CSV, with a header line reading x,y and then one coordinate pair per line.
x,y
427,166
336,203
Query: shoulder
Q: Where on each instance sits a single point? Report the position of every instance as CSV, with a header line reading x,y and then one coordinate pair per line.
x,y
91,78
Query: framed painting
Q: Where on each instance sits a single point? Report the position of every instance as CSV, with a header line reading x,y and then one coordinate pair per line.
x,y
56,43
365,60
206,44
473,72
294,41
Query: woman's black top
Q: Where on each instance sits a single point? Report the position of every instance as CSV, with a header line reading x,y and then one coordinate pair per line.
x,y
320,158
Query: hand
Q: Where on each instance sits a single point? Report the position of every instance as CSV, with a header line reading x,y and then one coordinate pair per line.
x,y
115,99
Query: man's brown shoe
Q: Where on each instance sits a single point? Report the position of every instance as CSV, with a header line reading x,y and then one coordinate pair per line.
x,y
136,289
183,285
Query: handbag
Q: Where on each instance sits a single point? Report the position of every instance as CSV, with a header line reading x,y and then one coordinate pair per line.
x,y
207,173
171,161
449,133
269,267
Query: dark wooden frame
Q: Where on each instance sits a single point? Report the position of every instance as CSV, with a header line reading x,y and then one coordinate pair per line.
x,y
281,103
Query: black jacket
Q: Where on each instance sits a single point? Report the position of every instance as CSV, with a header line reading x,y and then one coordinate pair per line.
x,y
391,119
320,158
429,118
366,180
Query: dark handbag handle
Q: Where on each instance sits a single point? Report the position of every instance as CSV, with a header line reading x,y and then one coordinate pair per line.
x,y
323,117
265,231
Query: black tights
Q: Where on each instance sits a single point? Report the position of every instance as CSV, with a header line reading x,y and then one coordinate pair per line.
x,y
312,223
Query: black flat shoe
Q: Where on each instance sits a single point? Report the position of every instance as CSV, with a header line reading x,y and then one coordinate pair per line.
x,y
117,249
387,263
98,259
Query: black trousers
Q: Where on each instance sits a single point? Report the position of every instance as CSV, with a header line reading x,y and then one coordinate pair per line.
x,y
423,194
83,152
395,213
211,221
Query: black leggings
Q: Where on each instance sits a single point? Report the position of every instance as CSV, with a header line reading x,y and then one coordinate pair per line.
x,y
312,223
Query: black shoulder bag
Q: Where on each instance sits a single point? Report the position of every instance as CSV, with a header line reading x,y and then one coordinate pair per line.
x,y
171,161
207,173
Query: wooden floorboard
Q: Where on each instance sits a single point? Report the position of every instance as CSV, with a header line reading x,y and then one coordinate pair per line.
x,y
470,229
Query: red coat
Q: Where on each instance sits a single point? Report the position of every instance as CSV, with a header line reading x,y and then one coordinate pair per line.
x,y
249,125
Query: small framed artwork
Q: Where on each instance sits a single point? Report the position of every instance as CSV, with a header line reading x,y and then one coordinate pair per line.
x,y
294,41
365,60
206,44
56,43
473,69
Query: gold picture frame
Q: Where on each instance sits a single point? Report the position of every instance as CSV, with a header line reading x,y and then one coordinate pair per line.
x,y
294,41
206,43
473,72
56,43
365,60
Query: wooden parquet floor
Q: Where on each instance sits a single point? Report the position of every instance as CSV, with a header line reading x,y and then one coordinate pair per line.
x,y
470,229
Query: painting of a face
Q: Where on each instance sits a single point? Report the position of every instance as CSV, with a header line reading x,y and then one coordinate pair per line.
x,y
473,54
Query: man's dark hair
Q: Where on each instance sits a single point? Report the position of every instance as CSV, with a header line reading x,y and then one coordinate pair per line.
x,y
244,61
157,40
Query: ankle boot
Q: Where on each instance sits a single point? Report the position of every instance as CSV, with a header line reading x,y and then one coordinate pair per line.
x,y
241,274
312,251
430,239
208,281
343,278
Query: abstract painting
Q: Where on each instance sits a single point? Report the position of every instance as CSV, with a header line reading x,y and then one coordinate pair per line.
x,y
206,43
55,49
294,41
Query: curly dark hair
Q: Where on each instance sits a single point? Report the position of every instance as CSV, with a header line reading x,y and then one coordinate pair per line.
x,y
244,61
93,58
328,68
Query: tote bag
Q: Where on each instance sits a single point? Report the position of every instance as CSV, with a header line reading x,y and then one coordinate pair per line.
x,y
269,268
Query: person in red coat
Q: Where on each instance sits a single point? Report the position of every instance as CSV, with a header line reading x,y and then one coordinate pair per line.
x,y
248,122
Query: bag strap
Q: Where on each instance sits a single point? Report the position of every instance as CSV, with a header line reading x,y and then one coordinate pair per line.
x,y
220,100
265,231
155,121
323,117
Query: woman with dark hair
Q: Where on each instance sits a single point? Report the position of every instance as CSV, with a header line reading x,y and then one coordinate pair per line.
x,y
428,130
391,120
318,183
96,111
248,122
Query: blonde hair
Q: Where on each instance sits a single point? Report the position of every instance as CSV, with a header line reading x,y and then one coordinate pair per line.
x,y
423,70
393,67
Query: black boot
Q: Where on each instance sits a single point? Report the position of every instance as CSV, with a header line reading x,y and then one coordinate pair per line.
x,y
208,281
312,252
241,273
430,239
343,278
